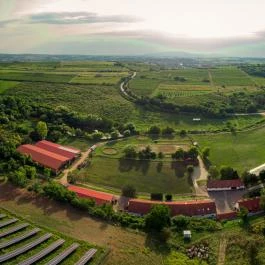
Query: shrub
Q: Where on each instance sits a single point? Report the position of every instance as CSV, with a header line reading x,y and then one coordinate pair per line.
x,y
168,197
158,218
157,196
129,191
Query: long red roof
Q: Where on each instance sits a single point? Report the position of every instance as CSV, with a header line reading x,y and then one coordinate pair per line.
x,y
189,208
213,184
66,151
98,196
42,156
253,204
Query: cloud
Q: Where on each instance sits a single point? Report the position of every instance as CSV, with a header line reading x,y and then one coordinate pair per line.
x,y
67,18
184,42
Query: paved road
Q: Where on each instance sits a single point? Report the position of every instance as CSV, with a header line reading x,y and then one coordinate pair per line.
x,y
226,200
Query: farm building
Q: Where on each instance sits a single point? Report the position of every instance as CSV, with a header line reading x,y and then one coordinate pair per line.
x,y
55,158
99,197
252,204
220,185
204,208
66,151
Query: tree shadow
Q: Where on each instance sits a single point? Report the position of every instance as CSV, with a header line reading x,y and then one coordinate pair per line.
x,y
153,243
179,168
127,165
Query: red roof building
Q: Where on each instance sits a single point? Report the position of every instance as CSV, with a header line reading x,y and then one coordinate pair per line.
x,y
43,157
66,151
219,185
253,204
188,208
98,196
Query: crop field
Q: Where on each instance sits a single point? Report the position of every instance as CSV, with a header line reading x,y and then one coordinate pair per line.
x,y
98,93
35,77
5,85
143,87
242,151
173,91
71,259
230,76
104,78
259,81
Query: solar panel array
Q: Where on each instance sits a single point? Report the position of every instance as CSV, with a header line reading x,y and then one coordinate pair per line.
x,y
12,234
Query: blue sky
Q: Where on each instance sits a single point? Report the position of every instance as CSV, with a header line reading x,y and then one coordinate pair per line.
x,y
123,27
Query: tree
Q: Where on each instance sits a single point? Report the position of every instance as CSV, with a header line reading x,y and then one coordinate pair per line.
x,y
193,153
154,130
47,172
205,152
183,133
130,152
42,129
243,215
190,170
168,131
129,191
160,155
31,172
228,173
262,175
158,218
179,154
114,134
262,199
213,172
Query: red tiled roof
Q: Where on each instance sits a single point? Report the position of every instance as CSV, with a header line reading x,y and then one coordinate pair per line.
x,y
99,197
213,184
226,216
253,204
43,157
66,151
189,208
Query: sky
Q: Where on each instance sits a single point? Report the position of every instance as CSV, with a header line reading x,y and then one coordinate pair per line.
x,y
138,27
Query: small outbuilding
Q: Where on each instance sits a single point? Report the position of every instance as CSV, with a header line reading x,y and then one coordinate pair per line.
x,y
187,234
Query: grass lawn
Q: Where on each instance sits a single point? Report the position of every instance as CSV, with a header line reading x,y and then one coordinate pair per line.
x,y
146,176
242,151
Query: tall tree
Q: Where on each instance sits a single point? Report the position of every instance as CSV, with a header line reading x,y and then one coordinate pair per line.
x,y
42,129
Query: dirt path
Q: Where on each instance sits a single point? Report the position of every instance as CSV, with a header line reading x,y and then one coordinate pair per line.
x,y
222,250
200,173
74,166
210,78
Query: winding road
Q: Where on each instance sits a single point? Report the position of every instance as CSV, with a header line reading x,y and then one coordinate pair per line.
x,y
122,88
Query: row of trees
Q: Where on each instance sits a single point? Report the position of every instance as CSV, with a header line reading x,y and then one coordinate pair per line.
x,y
130,152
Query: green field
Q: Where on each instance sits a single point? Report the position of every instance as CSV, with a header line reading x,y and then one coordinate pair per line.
x,y
99,94
230,76
242,151
106,78
35,77
5,85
